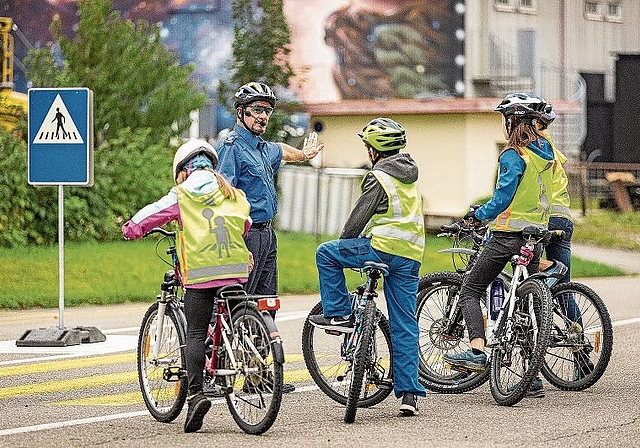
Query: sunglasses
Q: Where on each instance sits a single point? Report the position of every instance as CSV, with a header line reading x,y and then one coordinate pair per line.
x,y
257,110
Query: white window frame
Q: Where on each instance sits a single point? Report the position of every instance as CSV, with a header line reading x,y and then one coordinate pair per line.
x,y
617,17
593,15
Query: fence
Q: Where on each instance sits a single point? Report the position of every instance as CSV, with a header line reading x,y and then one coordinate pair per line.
x,y
316,201
588,184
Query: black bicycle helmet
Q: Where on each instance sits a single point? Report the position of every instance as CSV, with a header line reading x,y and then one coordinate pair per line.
x,y
384,134
254,91
528,108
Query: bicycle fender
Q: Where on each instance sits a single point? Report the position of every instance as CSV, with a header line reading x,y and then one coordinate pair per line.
x,y
274,334
538,275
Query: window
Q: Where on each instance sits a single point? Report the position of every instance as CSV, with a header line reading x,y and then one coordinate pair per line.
x,y
592,10
521,6
614,12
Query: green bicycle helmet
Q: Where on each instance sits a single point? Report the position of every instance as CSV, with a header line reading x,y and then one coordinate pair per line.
x,y
384,134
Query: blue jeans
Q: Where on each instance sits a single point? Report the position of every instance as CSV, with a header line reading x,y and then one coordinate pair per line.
x,y
561,251
400,291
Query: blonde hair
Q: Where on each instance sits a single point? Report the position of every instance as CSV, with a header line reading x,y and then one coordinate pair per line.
x,y
522,135
228,190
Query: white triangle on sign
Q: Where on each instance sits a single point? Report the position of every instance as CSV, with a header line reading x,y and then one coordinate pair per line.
x,y
58,125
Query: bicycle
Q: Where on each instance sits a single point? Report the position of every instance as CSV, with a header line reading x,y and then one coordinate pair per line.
x,y
244,364
353,369
574,343
518,336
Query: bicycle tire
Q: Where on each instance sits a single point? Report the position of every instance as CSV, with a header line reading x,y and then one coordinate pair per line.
x,y
257,394
433,294
163,381
332,373
515,363
578,341
361,359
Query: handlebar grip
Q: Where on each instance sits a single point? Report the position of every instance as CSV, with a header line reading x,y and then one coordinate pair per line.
x,y
452,228
161,231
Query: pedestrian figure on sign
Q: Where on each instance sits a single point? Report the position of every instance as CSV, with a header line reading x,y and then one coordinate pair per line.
x,y
59,118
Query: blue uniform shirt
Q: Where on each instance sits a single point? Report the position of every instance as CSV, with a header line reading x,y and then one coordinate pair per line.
x,y
511,168
249,163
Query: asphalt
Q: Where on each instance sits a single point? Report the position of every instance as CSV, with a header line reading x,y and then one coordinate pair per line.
x,y
627,260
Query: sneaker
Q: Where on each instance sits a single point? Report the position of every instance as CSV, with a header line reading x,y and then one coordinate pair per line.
x,y
341,324
536,389
409,404
467,360
198,406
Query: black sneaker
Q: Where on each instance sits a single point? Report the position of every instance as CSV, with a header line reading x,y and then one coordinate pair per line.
x,y
409,404
467,360
536,389
198,406
333,323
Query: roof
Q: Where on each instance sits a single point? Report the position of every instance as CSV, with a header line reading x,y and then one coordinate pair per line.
x,y
412,106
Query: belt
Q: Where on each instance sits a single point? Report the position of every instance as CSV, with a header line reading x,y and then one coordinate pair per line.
x,y
261,225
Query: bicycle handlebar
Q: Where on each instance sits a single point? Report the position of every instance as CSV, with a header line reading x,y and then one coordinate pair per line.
x,y
161,231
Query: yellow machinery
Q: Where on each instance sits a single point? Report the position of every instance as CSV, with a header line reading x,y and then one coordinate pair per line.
x,y
9,99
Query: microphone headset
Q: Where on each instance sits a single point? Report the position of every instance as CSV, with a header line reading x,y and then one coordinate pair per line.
x,y
247,112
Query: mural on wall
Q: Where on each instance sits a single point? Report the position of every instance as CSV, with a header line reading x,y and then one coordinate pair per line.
x,y
365,49
341,49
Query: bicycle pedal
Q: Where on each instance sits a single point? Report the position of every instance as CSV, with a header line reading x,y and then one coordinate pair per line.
x,y
334,332
172,373
385,385
457,368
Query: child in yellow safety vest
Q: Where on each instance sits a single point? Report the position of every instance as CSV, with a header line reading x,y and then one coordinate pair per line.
x,y
213,217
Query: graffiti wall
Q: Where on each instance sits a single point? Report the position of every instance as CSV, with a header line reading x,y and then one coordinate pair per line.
x,y
362,49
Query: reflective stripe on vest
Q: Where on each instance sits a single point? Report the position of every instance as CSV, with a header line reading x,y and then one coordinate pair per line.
x,y
530,204
399,231
211,243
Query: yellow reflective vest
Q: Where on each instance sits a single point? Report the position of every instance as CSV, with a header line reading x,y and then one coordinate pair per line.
x,y
531,204
399,231
560,200
211,243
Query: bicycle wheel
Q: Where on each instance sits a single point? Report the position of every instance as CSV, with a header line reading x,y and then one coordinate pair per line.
x,y
436,291
330,365
361,358
162,379
257,387
517,360
581,338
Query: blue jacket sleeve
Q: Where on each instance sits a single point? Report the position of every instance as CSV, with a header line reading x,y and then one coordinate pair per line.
x,y
510,170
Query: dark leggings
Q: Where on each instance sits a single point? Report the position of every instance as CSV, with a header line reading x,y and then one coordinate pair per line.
x,y
198,307
494,256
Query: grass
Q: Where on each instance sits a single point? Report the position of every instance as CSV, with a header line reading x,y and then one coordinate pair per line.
x,y
130,271
609,229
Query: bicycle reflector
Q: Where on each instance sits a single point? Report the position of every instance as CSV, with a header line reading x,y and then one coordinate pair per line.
x,y
269,304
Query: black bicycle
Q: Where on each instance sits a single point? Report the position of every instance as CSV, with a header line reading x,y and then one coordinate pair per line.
x,y
243,364
581,338
353,369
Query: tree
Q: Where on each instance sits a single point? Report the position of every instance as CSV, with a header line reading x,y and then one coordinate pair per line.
x,y
260,53
137,83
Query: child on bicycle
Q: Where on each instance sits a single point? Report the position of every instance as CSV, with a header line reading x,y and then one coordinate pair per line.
x,y
521,198
212,215
386,226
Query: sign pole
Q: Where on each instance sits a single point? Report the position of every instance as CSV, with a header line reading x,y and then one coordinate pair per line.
x,y
61,257
60,152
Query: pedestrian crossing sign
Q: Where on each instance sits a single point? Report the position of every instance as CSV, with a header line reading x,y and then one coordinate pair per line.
x,y
60,150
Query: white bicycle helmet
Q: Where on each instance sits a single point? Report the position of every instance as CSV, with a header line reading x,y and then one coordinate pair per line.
x,y
189,150
527,108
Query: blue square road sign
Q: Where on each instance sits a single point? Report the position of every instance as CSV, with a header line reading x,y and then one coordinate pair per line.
x,y
60,149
